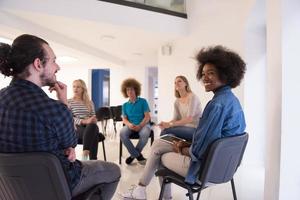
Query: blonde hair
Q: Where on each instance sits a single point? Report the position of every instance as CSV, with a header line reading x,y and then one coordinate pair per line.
x,y
187,87
85,96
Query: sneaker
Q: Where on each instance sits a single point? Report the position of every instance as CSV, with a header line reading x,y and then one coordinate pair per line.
x,y
135,192
85,157
129,160
141,159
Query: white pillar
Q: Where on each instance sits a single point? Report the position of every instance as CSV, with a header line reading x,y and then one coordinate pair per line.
x,y
290,136
274,95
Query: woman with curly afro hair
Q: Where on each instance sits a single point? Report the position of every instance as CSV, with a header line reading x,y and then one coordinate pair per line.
x,y
136,117
220,69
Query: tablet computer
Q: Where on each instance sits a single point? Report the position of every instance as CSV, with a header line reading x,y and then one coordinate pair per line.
x,y
171,138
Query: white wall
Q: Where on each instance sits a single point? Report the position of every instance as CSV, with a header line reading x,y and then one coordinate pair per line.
x,y
203,31
168,68
255,83
283,46
289,160
118,74
4,81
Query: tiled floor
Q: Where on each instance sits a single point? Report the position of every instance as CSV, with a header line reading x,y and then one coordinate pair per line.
x,y
249,180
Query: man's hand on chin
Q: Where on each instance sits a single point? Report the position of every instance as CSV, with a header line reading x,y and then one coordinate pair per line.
x,y
61,91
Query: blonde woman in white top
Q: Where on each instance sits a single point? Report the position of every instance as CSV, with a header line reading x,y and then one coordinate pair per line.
x,y
187,111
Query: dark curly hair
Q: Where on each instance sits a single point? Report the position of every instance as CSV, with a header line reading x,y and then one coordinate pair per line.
x,y
15,58
131,83
230,66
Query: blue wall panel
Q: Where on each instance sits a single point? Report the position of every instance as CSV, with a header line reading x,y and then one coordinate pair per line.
x,y
98,77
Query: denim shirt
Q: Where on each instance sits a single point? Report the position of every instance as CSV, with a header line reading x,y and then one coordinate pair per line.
x,y
222,117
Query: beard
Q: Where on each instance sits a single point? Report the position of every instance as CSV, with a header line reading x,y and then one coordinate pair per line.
x,y
47,81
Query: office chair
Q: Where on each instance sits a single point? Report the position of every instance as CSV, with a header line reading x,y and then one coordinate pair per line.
x,y
222,159
36,176
103,114
116,112
101,138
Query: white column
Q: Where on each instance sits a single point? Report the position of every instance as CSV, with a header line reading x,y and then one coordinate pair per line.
x,y
274,95
290,136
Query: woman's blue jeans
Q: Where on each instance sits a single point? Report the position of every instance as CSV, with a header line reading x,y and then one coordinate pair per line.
x,y
184,132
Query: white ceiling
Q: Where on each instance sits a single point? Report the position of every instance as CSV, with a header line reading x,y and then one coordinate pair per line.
x,y
113,37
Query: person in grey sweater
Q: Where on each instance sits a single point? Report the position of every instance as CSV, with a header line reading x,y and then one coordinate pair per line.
x,y
187,111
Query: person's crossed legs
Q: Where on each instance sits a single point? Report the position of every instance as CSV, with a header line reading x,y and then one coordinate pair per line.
x,y
135,152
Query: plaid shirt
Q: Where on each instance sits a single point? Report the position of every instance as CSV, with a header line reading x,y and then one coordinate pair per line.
x,y
30,121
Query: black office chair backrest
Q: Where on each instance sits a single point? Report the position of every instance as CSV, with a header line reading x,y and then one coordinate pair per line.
x,y
103,113
116,112
223,158
32,176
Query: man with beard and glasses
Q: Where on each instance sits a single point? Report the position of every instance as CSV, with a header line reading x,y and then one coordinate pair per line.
x,y
30,121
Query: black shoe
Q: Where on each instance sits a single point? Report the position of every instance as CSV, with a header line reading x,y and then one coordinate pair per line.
x,y
129,160
141,159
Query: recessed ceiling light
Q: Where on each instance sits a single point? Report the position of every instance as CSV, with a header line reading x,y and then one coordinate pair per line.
x,y
137,54
6,40
66,59
107,37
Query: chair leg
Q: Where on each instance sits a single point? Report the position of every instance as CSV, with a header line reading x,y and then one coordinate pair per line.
x,y
198,195
115,128
152,138
233,189
120,153
190,192
162,190
104,153
103,129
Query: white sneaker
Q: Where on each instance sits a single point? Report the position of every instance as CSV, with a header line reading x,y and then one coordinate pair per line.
x,y
135,192
85,157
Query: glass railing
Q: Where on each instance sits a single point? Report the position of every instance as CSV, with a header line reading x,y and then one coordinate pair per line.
x,y
172,7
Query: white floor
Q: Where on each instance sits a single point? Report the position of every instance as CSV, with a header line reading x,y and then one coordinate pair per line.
x,y
249,180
